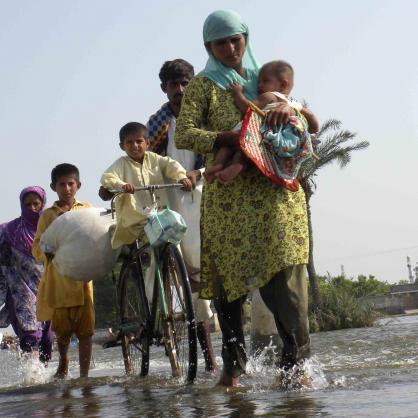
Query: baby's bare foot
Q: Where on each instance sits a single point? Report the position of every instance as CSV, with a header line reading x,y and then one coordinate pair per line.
x,y
229,173
210,173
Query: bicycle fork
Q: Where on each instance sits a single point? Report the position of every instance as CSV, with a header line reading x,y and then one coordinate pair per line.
x,y
167,323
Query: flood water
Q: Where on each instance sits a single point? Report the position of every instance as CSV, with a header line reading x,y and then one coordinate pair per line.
x,y
367,372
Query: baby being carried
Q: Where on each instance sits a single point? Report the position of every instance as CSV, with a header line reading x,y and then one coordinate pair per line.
x,y
288,143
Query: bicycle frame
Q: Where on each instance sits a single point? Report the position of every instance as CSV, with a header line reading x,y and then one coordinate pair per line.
x,y
158,289
169,319
159,306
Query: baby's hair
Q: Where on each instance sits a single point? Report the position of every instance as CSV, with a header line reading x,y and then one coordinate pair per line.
x,y
178,68
64,169
281,69
132,128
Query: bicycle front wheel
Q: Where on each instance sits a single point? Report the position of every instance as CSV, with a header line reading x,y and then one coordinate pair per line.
x,y
179,325
134,315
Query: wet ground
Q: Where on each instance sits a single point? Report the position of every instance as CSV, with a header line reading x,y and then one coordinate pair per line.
x,y
367,372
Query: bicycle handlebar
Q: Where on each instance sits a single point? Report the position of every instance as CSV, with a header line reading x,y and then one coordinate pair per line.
x,y
150,187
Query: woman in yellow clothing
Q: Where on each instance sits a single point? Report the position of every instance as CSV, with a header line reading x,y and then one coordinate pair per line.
x,y
68,303
253,233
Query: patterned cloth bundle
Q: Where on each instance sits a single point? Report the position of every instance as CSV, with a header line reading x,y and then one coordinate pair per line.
x,y
290,145
277,153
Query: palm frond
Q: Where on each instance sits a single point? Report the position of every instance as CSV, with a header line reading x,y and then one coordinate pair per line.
x,y
333,147
329,124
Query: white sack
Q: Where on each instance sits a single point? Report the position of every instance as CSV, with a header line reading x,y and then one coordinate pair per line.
x,y
188,205
80,242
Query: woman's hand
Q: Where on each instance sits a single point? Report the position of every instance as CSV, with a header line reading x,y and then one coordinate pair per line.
x,y
228,139
187,184
128,188
279,115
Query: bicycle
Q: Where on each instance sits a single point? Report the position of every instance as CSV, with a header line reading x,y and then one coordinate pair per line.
x,y
169,320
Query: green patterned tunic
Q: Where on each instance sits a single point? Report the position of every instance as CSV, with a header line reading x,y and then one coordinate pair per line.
x,y
250,229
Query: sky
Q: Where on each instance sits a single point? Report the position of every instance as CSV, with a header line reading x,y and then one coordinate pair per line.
x,y
72,73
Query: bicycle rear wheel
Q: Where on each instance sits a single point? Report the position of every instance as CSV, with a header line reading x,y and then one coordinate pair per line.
x,y
134,315
179,326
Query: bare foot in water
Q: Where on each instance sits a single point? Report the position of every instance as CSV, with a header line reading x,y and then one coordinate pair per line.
x,y
227,381
228,174
294,379
62,369
212,369
305,381
210,173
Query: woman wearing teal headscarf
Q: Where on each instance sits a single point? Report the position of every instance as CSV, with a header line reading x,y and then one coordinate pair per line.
x,y
253,234
218,26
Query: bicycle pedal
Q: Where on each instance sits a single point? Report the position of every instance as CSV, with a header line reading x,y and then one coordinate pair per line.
x,y
110,344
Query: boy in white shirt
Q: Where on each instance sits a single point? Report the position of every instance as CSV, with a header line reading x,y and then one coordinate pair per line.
x,y
138,168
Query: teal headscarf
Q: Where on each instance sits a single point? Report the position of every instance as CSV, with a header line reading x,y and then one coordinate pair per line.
x,y
222,24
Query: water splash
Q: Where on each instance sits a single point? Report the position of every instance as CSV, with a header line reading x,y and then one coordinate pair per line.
x,y
19,370
33,371
313,368
308,375
261,361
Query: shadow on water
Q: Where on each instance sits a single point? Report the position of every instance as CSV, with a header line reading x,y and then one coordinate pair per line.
x,y
141,397
369,372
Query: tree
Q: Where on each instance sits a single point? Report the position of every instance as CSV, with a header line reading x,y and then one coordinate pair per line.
x,y
336,145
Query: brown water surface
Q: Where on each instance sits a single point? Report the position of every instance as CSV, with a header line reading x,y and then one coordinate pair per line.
x,y
367,372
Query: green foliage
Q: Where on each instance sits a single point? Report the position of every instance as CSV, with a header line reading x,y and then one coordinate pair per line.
x,y
105,302
343,304
360,287
336,145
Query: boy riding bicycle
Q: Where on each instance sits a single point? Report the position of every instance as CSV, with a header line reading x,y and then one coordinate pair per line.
x,y
138,168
